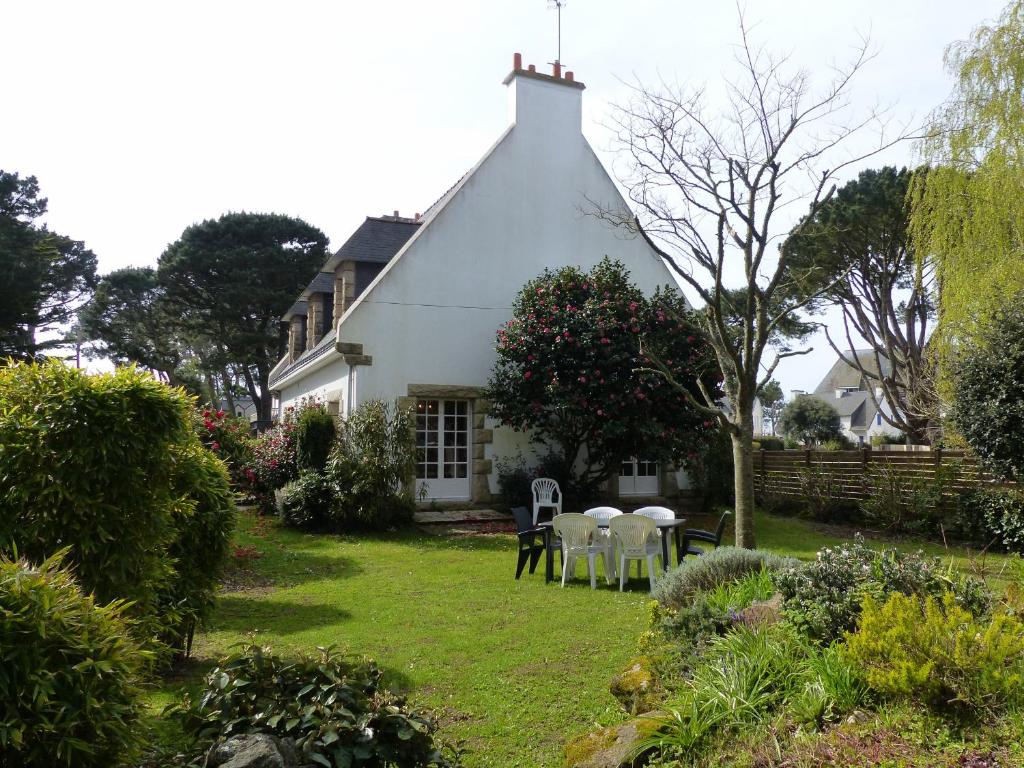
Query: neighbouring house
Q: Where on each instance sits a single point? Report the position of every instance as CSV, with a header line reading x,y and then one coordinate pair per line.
x,y
244,407
408,307
847,390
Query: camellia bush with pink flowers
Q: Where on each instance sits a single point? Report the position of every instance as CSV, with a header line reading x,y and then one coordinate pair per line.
x,y
586,362
230,440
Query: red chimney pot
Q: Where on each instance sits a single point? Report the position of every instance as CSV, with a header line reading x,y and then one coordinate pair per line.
x,y
517,61
532,68
557,69
569,76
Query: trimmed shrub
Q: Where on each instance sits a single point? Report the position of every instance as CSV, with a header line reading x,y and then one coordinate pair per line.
x,y
823,598
309,502
204,519
315,433
334,708
84,465
720,566
68,671
937,653
993,516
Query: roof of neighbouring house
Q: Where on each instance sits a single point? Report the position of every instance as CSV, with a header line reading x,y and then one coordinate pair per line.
x,y
845,376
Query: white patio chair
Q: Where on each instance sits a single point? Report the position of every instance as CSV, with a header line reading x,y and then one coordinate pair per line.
x,y
546,493
659,513
578,533
630,535
604,537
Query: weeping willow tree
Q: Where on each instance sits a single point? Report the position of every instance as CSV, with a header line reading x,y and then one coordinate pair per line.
x,y
967,211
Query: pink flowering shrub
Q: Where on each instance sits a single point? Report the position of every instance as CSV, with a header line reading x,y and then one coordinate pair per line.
x,y
575,366
230,439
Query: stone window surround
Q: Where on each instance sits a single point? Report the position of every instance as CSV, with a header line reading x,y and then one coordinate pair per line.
x,y
479,486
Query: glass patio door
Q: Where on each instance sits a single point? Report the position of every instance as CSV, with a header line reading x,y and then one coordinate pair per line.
x,y
638,477
442,449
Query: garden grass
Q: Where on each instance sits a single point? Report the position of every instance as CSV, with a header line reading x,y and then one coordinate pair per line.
x,y
512,669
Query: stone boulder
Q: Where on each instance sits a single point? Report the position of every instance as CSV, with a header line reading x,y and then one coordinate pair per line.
x,y
636,687
255,750
611,747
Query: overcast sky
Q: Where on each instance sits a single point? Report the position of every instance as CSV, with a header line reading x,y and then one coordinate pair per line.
x,y
141,118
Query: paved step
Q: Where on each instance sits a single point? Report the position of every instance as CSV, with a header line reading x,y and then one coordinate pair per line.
x,y
453,516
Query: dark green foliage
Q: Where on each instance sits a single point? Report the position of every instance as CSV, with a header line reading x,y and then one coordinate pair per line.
x,y
68,671
712,471
364,486
772,403
810,420
335,708
204,519
46,276
373,468
84,463
232,278
900,502
229,438
988,381
719,566
309,502
130,322
935,652
823,598
570,368
993,516
769,443
315,433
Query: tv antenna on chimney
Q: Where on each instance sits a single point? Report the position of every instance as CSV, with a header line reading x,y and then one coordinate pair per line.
x,y
558,5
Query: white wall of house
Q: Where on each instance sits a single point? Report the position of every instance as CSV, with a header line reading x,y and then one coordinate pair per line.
x,y
430,317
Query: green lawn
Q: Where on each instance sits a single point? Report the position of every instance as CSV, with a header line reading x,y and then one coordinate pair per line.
x,y
511,668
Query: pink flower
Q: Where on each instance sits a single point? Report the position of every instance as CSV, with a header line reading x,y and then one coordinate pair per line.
x,y
215,446
527,374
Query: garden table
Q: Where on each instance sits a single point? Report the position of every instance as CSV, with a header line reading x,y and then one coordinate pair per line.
x,y
664,526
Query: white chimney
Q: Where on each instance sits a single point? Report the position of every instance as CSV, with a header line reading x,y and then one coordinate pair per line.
x,y
551,103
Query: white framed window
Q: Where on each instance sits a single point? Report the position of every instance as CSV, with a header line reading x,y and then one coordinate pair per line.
x,y
442,448
638,477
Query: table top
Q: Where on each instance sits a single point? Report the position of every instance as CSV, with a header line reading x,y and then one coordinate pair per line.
x,y
604,522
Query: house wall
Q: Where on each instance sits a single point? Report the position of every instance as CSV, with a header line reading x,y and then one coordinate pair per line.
x,y
430,317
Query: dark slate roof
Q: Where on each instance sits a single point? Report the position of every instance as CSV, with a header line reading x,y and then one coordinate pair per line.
x,y
298,308
378,239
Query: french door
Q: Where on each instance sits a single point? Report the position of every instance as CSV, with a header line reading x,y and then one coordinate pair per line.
x,y
638,477
442,448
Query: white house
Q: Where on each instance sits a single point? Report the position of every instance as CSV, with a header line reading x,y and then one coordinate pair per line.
x,y
408,307
846,390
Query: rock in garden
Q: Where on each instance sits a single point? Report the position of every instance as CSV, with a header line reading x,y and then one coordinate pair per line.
x,y
610,747
256,750
636,687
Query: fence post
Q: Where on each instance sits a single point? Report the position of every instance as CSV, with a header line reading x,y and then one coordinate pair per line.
x,y
762,471
807,457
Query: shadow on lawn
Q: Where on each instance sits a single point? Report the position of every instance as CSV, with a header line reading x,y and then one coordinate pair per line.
x,y
242,613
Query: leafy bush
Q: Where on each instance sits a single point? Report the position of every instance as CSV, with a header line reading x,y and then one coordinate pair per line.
x,y
993,516
514,479
204,518
68,692
769,443
85,464
315,433
838,443
822,493
720,566
335,709
888,438
375,460
229,439
902,503
939,654
810,419
823,598
988,382
309,502
711,471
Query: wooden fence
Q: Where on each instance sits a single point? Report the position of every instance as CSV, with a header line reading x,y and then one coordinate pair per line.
x,y
851,475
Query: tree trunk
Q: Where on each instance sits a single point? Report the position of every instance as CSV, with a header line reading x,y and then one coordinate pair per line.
x,y
743,476
211,390
228,394
254,393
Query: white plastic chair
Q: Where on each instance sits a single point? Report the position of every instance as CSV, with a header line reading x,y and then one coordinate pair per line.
x,y
604,537
659,513
630,534
578,533
546,493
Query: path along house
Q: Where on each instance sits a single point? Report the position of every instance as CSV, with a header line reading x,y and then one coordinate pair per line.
x,y
408,308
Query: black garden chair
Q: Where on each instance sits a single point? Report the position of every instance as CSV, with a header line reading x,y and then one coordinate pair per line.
x,y
531,540
695,534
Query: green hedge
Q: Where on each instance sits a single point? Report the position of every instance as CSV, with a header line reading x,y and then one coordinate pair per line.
x,y
68,667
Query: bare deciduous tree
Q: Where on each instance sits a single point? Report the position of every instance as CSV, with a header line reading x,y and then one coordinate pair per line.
x,y
709,187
